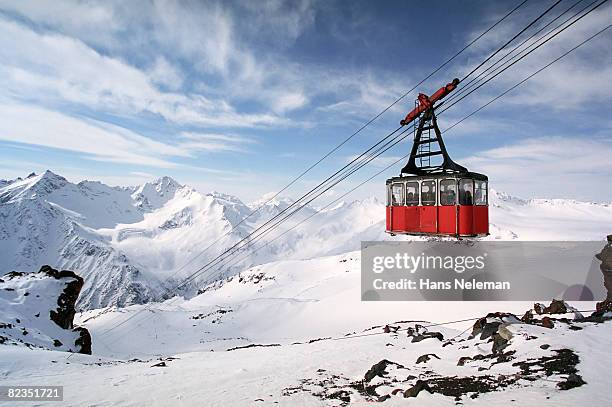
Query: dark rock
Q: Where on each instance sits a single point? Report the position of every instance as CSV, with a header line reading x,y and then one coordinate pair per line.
x,y
378,369
426,358
341,395
548,323
487,326
160,364
499,344
254,345
539,308
528,317
505,357
556,307
417,388
601,309
564,361
459,387
57,343
12,274
604,306
427,335
319,339
545,346
83,341
572,381
463,359
64,314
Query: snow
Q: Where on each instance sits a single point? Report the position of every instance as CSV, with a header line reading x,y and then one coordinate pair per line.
x,y
286,301
132,243
25,304
129,243
290,374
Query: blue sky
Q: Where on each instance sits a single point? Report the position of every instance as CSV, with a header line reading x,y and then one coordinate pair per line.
x,y
240,97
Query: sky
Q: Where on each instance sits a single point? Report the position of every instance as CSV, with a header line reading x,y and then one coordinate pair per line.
x,y
240,97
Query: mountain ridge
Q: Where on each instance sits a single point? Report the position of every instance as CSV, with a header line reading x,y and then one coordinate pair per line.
x,y
133,244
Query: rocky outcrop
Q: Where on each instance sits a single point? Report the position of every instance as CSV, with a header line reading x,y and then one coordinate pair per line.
x,y
32,296
63,315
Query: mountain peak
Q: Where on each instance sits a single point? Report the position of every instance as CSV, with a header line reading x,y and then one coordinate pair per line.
x,y
162,185
155,194
270,199
48,175
166,180
225,197
32,187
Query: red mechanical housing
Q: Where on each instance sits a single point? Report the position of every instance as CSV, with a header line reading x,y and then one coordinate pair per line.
x,y
426,102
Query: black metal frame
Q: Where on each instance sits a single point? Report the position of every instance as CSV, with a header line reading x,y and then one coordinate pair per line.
x,y
421,149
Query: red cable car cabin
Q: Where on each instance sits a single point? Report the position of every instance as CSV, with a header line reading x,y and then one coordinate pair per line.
x,y
438,204
434,195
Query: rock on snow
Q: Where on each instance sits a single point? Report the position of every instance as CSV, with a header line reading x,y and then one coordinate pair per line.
x,y
37,310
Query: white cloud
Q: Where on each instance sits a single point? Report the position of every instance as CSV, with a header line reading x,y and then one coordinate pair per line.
x,y
289,101
202,33
226,67
567,84
56,68
165,74
101,141
96,140
96,22
549,167
214,142
283,21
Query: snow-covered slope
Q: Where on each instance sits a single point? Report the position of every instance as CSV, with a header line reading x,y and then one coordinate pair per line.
x,y
37,310
134,244
281,302
295,333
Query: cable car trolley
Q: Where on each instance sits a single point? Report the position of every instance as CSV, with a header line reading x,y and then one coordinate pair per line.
x,y
433,195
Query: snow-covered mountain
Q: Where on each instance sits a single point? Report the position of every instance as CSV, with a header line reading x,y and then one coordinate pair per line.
x,y
134,244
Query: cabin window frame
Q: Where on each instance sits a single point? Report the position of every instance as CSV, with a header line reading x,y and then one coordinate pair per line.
x,y
462,192
453,182
417,193
486,193
434,192
402,188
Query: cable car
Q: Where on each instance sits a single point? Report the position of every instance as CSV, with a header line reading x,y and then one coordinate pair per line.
x,y
433,195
